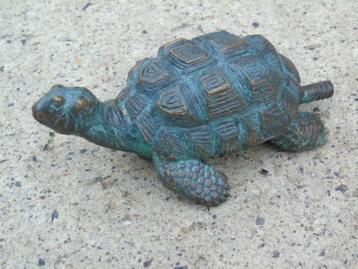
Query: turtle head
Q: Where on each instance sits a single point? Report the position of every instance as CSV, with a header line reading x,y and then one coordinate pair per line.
x,y
65,109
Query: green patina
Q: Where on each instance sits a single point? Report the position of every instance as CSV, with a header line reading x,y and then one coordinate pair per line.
x,y
200,98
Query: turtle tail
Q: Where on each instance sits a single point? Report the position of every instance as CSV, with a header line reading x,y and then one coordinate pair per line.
x,y
316,91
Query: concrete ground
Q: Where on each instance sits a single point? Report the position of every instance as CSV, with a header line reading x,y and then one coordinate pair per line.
x,y
66,203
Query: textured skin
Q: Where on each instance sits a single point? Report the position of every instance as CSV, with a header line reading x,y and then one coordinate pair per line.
x,y
199,98
193,179
306,132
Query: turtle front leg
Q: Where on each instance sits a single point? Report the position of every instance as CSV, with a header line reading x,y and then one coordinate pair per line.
x,y
193,180
306,132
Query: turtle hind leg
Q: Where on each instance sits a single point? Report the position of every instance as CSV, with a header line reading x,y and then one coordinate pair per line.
x,y
306,132
193,180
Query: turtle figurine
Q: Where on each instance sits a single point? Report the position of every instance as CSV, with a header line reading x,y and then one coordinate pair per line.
x,y
212,95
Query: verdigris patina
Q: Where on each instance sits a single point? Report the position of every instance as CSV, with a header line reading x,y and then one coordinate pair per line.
x,y
215,94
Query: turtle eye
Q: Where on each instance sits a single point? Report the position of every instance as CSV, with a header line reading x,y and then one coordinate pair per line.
x,y
58,100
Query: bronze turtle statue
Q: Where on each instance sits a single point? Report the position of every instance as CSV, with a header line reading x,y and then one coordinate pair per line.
x,y
199,98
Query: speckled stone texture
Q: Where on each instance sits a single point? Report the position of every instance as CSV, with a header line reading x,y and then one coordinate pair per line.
x,y
66,203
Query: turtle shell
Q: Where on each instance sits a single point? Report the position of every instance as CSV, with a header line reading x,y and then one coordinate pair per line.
x,y
214,94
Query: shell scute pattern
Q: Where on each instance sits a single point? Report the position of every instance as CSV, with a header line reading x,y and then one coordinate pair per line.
x,y
186,56
150,75
221,98
172,143
226,45
218,87
260,43
136,103
179,105
203,140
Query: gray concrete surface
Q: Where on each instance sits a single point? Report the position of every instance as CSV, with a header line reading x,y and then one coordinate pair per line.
x,y
65,203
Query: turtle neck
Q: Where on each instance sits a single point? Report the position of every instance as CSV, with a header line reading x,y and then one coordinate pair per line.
x,y
111,127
